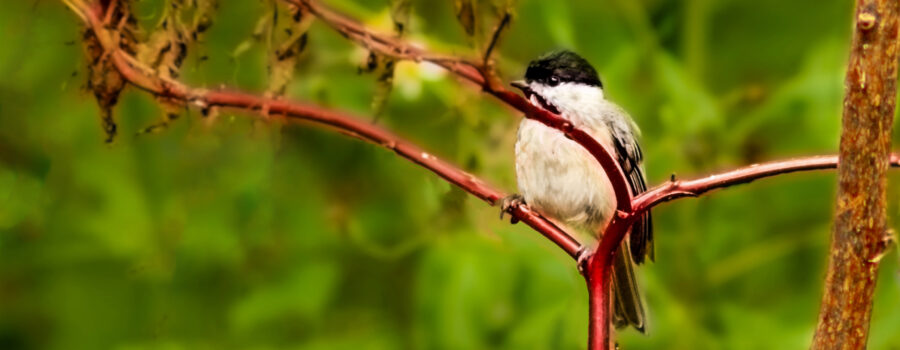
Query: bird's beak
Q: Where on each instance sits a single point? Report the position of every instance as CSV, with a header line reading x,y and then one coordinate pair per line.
x,y
521,85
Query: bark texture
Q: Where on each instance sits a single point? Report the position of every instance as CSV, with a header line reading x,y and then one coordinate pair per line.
x,y
860,217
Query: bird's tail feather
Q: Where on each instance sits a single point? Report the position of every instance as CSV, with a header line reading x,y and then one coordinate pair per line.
x,y
628,307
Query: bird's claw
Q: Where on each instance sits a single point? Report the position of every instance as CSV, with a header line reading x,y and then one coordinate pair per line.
x,y
508,202
582,260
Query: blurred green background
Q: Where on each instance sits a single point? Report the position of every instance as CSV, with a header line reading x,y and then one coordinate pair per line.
x,y
246,234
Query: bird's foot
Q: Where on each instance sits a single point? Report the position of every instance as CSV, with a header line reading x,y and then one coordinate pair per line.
x,y
509,202
583,259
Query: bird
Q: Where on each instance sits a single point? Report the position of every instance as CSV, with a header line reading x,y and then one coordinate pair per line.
x,y
561,180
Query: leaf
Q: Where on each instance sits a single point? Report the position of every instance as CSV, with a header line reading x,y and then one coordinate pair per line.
x,y
263,26
400,11
283,59
384,83
203,17
166,48
465,13
171,112
244,46
383,66
104,80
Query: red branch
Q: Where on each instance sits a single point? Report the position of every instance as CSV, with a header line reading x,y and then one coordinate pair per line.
x,y
692,188
596,266
143,78
598,277
480,75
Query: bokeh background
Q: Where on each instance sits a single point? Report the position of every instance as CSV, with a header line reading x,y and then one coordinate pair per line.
x,y
247,234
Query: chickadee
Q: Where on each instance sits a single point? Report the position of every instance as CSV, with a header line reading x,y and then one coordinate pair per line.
x,y
562,181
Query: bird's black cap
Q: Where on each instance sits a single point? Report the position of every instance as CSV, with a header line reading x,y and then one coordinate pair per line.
x,y
562,66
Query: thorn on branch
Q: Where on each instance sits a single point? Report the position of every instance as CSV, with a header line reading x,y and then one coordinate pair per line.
x,y
389,144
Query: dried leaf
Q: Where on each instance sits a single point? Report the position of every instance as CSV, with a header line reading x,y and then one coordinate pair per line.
x,y
104,80
383,66
384,83
400,12
166,48
181,24
283,59
465,13
171,111
203,17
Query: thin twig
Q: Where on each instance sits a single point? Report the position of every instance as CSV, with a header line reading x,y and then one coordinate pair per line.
x,y
495,38
693,188
110,8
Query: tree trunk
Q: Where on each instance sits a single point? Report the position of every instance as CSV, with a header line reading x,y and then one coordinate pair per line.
x,y
860,227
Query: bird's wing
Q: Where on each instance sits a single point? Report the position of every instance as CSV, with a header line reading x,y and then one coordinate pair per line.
x,y
629,156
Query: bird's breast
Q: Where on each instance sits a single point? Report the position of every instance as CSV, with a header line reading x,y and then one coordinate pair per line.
x,y
561,179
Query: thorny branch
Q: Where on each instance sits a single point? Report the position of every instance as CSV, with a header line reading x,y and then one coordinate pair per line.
x,y
595,266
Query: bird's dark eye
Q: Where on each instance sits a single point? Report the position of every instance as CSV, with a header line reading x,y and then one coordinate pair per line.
x,y
554,80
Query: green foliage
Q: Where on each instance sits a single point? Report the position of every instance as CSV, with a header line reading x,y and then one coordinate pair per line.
x,y
242,233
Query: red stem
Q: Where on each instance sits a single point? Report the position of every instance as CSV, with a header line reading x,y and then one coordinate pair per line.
x,y
598,268
597,275
693,188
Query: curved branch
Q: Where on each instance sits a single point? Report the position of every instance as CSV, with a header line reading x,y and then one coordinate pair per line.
x,y
143,78
598,267
692,188
480,75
